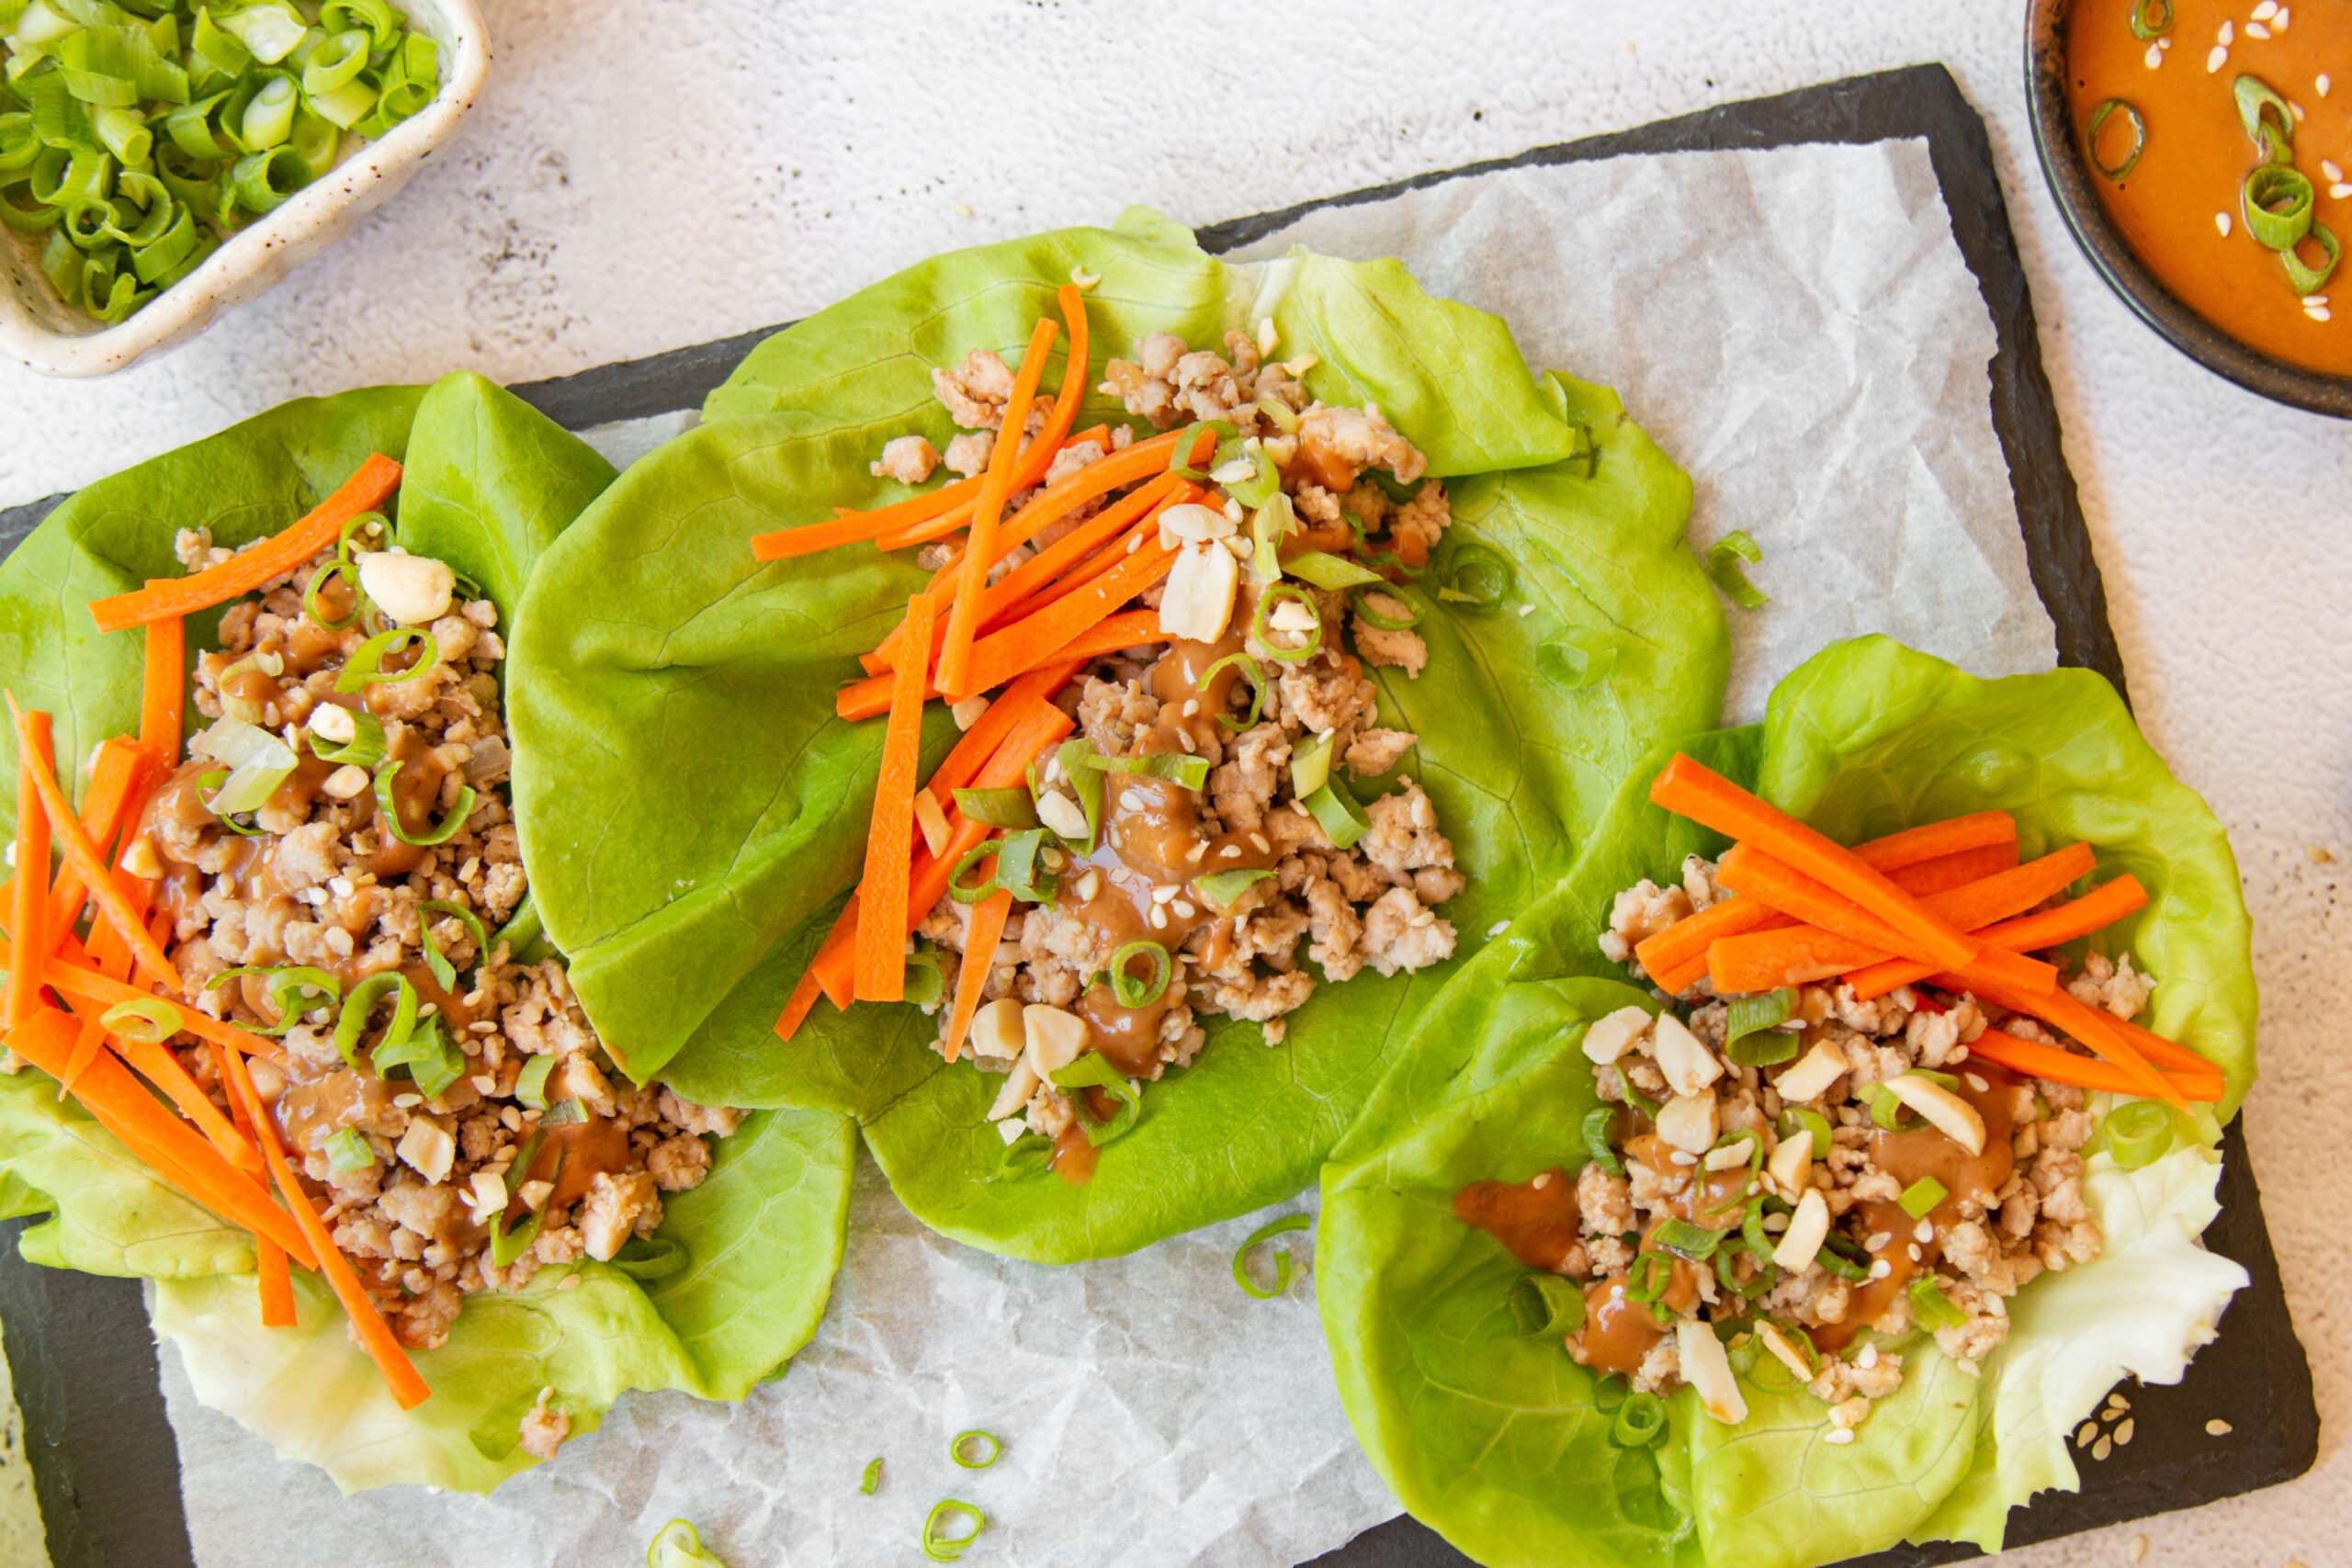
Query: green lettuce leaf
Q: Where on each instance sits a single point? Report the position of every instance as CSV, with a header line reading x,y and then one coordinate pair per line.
x,y
692,812
488,484
1492,1439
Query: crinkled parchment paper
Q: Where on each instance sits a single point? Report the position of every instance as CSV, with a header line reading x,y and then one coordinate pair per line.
x,y
1797,328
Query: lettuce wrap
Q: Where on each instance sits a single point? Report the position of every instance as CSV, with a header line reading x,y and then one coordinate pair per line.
x,y
695,812
488,484
1501,1441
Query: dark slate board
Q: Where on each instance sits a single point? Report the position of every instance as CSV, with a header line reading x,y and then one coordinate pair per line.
x,y
84,1360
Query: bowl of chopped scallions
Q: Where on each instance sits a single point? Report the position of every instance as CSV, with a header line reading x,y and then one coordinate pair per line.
x,y
164,160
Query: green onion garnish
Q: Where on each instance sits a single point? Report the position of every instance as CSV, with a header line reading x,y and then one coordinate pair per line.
x,y
872,1477
1269,525
367,525
1093,1070
350,1150
564,1113
506,1245
1251,672
1140,993
1723,567
348,572
1886,1111
925,980
1263,483
1016,867
1478,577
960,1449
388,808
1752,1038
522,935
433,1061
1191,438
366,665
2145,24
1337,813
678,1545
2138,1133
1380,619
1330,572
941,1547
2267,118
1069,760
1167,767
1652,1273
998,807
1547,1306
1796,1118
1258,1238
2303,278
258,763
442,971
1934,1308
1640,1422
361,1000
1275,593
1763,1279
531,1083
1921,1197
2099,117
1310,764
1844,1257
2277,200
150,1021
364,750
1685,1239
965,892
1609,1392
1598,1123
1222,888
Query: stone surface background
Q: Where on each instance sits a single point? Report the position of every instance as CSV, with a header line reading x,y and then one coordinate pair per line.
x,y
645,174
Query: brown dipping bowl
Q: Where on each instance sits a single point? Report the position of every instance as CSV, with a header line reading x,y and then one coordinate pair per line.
x,y
2061,165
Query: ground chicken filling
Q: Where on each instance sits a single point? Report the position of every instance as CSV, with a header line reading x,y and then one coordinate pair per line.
x,y
412,1184
1879,1178
1147,871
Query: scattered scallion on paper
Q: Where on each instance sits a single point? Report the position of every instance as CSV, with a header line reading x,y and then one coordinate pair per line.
x,y
1258,1238
872,1480
950,1514
974,1449
679,1545
1723,566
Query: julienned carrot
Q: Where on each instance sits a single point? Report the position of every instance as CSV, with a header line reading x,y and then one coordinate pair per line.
x,y
835,982
980,937
797,1006
1133,628
1690,789
980,743
1032,641
114,779
28,908
1143,532
2086,1025
1956,870
1681,948
275,1282
66,973
1758,874
2037,1060
135,1117
371,485
2094,912
980,546
367,1324
84,857
163,696
882,920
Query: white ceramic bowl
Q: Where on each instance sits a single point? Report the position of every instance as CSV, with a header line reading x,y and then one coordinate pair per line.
x,y
42,332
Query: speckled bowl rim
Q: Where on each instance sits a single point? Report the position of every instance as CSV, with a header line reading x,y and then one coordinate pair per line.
x,y
2086,220
256,258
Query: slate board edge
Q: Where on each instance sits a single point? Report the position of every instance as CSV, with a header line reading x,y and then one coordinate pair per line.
x,y
82,1454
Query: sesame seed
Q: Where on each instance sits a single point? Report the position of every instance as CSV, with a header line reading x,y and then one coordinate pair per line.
x,y
1868,1358
2117,1404
2217,1427
1184,739
1543,1180
2221,221
1183,908
2267,9
2322,84
1164,891
2155,56
1130,800
1265,846
1881,1268
2228,32
2329,167
1913,1248
1159,918
2123,1432
2139,1548
1198,851
2164,42
405,1100
2103,1448
1924,1231
1838,1435
2318,313
2219,58
1134,543
1499,928
2298,108
1526,609
2339,190
1878,1241
2255,29
960,208
1230,851
2278,23
2085,1434
1191,706
1776,1222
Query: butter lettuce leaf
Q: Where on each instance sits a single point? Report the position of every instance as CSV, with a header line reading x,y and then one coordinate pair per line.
x,y
694,812
1492,1439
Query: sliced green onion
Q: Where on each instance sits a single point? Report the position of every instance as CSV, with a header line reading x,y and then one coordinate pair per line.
x,y
872,1479
1069,762
444,972
1275,593
1224,888
1028,1155
1016,867
505,1245
335,62
350,1150
941,1547
1310,764
2099,117
1251,672
1269,526
1167,767
388,808
1547,1306
349,572
1599,1123
1751,1037
962,1446
269,30
268,118
1797,1118
1337,813
346,105
1609,1392
651,1258
968,893
358,531
1258,1238
1920,1198
2304,279
318,139
1192,438
364,750
564,1112
1886,1111
2276,201
297,991
360,1001
925,982
679,1545
2145,25
383,24
1330,572
1380,620
998,807
366,665
1763,1279
531,1083
150,1021
1647,1280
1132,992
1478,577
1844,1259
210,783
1263,482
434,1063
524,940
1094,1070
217,47
258,763
2253,97
1640,1422
124,134
1389,560
1723,567
1934,1308
1686,1240
2138,1133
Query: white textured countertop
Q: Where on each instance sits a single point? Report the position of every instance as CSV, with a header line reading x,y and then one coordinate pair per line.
x,y
646,174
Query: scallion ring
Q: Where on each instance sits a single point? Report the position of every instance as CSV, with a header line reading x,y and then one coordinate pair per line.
x,y
349,572
1609,1392
1751,1035
2305,279
1140,993
1581,659
444,972
150,1021
941,1547
364,750
1934,1308
368,523
1599,1123
1252,672
1763,1279
1640,1422
212,783
1685,1239
1329,571
2277,205
366,665
968,893
1275,593
1258,1238
1094,1070
1378,619
2145,24
1180,455
1337,813
360,1001
2100,116
1178,768
531,1083
1724,569
872,1479
998,807
1017,871
2138,1133
1389,560
2265,117
1647,1280
959,1449
1844,1259
1223,889
388,808
1547,1306
1919,1199
1478,577
1796,1119
350,1150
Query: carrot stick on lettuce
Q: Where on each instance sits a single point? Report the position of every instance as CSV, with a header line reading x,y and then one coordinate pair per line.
x,y
2036,1060
2094,912
164,692
987,928
32,751
980,552
882,923
28,913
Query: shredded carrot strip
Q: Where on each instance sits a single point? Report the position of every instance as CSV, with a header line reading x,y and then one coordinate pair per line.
x,y
1016,529
1756,874
981,550
117,776
2037,1060
1959,869
274,1281
368,489
1933,841
797,1006
375,1336
882,923
987,732
1133,628
837,983
33,747
163,695
980,937
2095,910
28,915
1031,641
2087,1025
67,974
